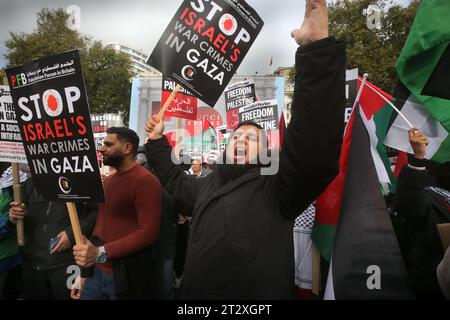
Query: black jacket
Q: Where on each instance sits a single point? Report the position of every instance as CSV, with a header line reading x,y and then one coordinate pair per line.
x,y
420,242
46,219
241,240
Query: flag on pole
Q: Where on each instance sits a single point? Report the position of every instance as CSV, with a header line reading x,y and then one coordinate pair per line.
x,y
420,116
376,115
402,160
423,67
328,204
366,259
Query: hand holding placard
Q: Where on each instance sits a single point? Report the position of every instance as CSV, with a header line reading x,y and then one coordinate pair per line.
x,y
154,128
18,198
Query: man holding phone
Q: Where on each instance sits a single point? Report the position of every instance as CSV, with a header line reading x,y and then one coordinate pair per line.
x,y
49,237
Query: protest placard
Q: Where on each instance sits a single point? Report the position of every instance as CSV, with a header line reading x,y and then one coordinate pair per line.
x,y
205,43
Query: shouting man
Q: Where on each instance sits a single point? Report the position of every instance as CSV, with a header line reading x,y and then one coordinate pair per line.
x,y
241,246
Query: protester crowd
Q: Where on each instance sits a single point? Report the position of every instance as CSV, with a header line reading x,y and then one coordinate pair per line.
x,y
223,231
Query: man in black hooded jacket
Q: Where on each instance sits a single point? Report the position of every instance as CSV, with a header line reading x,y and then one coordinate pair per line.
x,y
241,245
422,200
45,270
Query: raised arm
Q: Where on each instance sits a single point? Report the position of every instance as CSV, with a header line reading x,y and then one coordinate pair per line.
x,y
410,199
182,187
310,157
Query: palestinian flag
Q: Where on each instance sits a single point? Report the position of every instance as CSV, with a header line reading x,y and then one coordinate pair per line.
x,y
210,139
402,160
423,67
172,138
421,118
366,263
376,115
328,204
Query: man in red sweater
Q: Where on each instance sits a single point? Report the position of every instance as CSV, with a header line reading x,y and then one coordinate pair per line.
x,y
127,224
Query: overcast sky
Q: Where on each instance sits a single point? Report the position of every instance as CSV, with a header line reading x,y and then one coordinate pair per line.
x,y
140,23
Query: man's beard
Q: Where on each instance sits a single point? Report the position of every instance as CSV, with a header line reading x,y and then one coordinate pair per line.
x,y
113,160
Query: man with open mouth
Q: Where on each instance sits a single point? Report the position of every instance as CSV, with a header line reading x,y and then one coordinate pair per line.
x,y
241,246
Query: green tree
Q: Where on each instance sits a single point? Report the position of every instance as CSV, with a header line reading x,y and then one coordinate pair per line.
x,y
107,73
372,51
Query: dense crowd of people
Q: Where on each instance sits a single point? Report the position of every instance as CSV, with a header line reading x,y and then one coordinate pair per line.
x,y
219,232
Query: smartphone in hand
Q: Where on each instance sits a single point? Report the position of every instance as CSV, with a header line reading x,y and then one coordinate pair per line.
x,y
52,243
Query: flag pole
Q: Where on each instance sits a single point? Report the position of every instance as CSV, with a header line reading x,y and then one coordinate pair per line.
x,y
168,101
315,271
75,222
393,106
177,138
18,198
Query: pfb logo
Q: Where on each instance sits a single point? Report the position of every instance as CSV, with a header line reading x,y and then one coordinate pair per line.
x,y
18,80
64,185
188,72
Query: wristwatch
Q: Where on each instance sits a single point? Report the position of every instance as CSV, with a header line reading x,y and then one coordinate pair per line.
x,y
101,255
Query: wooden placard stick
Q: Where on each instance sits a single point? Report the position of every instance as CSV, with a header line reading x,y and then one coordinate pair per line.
x,y
168,101
178,136
75,222
315,271
18,198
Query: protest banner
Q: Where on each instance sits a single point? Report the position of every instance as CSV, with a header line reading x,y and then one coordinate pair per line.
x,y
53,116
183,105
351,89
238,95
11,148
54,121
205,43
265,113
102,122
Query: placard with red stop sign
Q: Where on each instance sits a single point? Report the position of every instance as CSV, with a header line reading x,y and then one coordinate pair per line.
x,y
204,44
53,116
